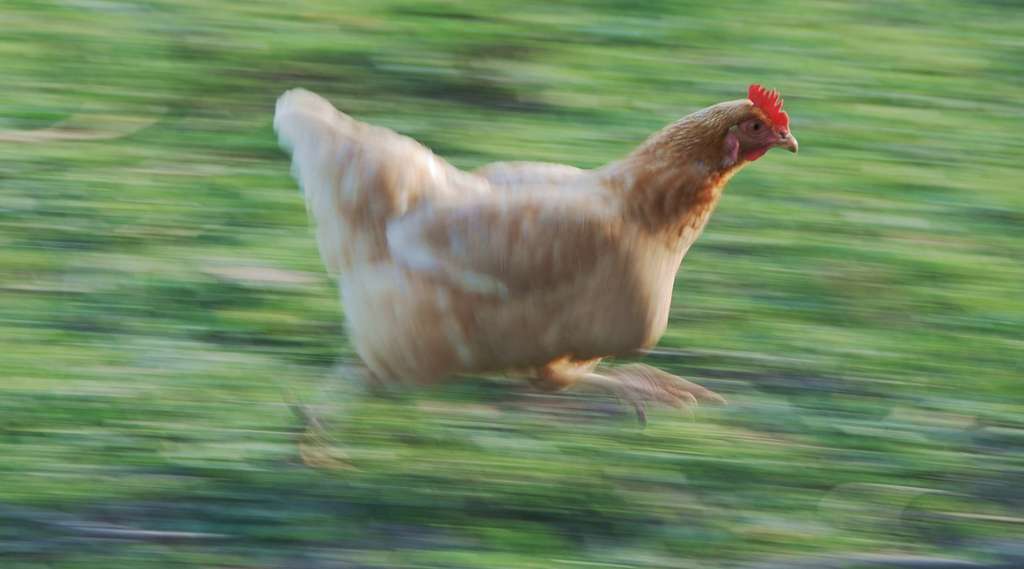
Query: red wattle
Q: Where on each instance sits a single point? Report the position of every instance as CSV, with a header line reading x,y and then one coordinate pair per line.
x,y
752,155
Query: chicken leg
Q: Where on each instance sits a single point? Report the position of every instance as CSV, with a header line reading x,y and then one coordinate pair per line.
x,y
339,392
636,384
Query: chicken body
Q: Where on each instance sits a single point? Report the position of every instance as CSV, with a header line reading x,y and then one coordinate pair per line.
x,y
539,268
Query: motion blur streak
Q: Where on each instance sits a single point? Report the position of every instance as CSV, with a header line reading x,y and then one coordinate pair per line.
x,y
162,300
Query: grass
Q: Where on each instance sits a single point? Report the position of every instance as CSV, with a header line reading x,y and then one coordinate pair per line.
x,y
859,304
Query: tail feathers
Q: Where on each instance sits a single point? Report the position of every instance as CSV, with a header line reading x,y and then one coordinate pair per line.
x,y
355,176
318,137
314,132
303,118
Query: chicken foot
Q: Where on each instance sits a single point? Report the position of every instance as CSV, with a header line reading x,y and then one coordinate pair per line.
x,y
343,388
640,385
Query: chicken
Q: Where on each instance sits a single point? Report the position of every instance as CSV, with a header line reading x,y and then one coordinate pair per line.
x,y
536,269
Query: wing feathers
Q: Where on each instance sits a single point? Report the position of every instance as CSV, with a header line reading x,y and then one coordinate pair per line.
x,y
505,245
519,175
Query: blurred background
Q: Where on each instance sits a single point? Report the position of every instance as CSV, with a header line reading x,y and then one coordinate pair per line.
x,y
161,297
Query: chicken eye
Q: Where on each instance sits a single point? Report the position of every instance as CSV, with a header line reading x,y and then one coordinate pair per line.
x,y
757,126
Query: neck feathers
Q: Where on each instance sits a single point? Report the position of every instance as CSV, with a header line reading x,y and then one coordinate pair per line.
x,y
673,181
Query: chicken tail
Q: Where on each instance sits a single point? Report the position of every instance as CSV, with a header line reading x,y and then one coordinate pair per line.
x,y
355,176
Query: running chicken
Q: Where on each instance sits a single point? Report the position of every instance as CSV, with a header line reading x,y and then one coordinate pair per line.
x,y
537,269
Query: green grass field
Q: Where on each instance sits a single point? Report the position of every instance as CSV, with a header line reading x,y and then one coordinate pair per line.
x,y
860,304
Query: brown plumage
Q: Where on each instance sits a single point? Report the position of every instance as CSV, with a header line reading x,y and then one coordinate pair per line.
x,y
540,268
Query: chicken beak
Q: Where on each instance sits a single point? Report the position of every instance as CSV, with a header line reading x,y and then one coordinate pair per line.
x,y
788,141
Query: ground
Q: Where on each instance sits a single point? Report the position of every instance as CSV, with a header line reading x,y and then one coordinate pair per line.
x,y
162,299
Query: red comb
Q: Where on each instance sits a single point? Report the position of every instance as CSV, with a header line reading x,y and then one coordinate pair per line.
x,y
770,104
